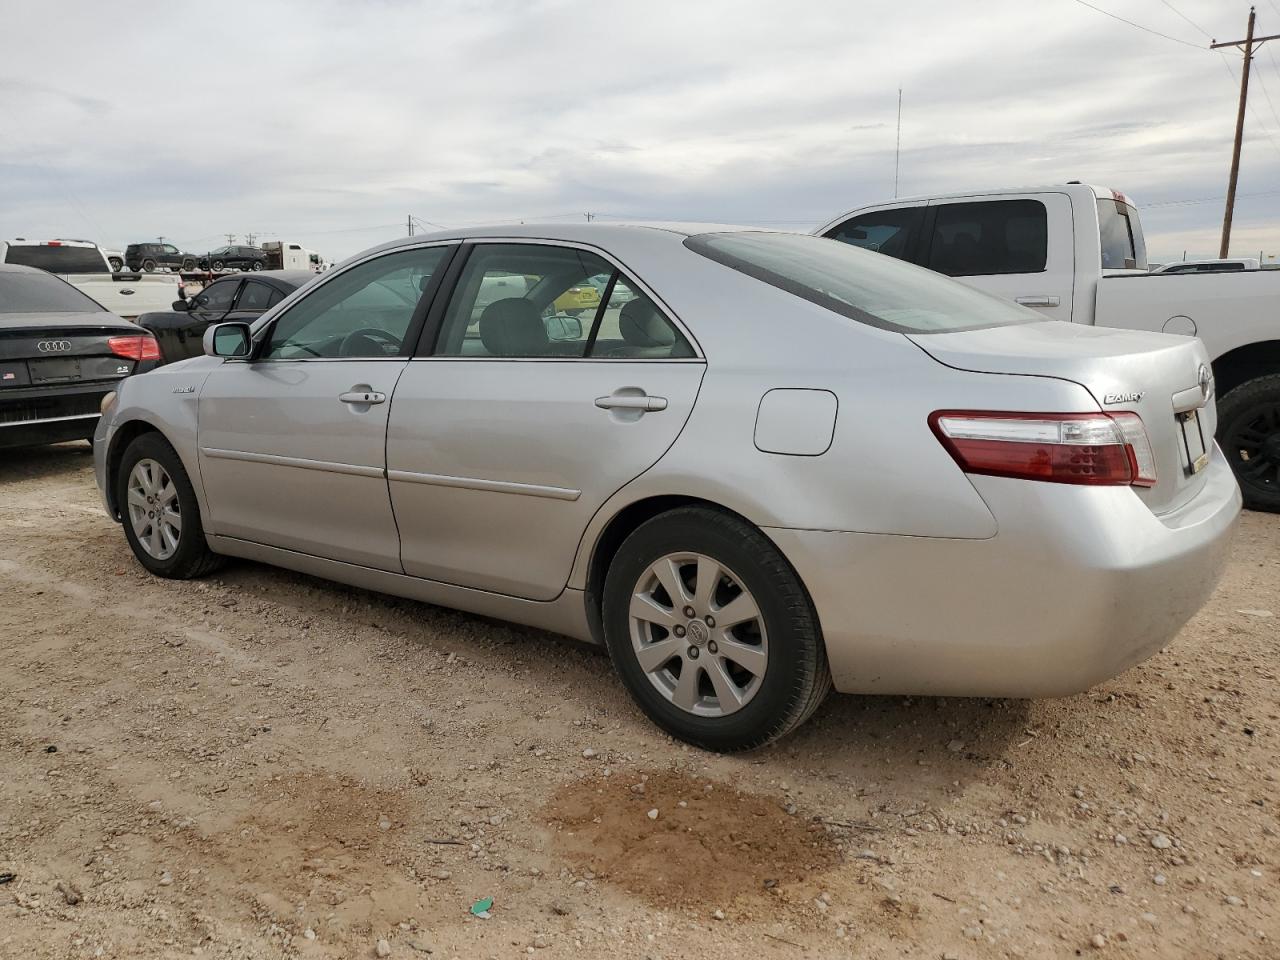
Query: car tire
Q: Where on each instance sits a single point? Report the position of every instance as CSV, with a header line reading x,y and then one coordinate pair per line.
x,y
151,467
148,266
1249,434
188,266
788,675
216,266
133,267
116,264
257,265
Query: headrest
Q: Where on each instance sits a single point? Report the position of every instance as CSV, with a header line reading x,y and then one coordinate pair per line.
x,y
641,325
513,328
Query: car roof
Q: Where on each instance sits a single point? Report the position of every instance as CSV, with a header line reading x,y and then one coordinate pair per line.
x,y
20,268
292,279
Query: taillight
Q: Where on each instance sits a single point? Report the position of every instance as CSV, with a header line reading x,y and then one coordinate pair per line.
x,y
134,348
1101,449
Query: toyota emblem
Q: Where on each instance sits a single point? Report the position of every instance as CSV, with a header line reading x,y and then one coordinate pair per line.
x,y
1205,380
53,346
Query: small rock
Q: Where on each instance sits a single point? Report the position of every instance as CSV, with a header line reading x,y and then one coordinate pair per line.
x,y
719,914
1098,941
1233,901
442,874
955,746
384,824
974,932
588,753
637,788
383,949
166,879
69,893
1161,842
540,942
1120,839
653,814
1260,614
309,933
1159,880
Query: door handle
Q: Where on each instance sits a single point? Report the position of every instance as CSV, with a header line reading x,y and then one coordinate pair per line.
x,y
643,403
362,396
1038,301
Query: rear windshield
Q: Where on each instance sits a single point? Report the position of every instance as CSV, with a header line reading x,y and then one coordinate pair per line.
x,y
864,286
1123,247
58,259
22,292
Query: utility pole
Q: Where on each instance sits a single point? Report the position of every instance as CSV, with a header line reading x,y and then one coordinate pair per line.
x,y
409,220
1249,44
588,218
231,238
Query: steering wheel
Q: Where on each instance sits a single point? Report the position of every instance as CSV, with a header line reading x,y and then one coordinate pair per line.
x,y
351,346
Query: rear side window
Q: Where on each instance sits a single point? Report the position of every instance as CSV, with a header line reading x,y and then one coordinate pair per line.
x,y
59,259
895,232
871,289
989,237
217,297
1123,246
255,296
22,292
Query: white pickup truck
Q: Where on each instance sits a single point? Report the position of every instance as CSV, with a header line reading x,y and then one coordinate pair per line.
x,y
1076,252
85,267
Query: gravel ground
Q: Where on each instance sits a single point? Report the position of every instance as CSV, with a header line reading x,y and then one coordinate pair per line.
x,y
264,765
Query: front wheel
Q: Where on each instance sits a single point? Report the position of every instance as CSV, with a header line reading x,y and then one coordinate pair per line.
x,y
188,266
116,264
216,266
712,632
257,265
1249,434
148,266
161,515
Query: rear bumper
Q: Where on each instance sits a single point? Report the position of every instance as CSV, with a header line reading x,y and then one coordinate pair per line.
x,y
31,416
1078,585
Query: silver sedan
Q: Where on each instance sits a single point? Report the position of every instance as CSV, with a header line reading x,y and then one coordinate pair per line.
x,y
755,465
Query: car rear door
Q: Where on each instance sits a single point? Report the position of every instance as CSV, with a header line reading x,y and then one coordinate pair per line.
x,y
509,434
293,442
1014,246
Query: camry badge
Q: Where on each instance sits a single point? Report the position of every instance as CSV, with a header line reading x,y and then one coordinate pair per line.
x,y
1122,397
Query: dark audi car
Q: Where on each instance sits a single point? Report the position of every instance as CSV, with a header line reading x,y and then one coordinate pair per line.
x,y
60,354
234,258
180,331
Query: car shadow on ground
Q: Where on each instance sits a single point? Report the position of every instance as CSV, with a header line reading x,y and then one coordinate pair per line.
x,y
38,463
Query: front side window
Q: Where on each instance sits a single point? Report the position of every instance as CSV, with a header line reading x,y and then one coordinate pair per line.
x,y
216,298
534,300
893,232
989,237
365,311
171,250
871,289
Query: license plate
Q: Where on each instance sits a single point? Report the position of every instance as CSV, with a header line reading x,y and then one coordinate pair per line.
x,y
1193,443
51,371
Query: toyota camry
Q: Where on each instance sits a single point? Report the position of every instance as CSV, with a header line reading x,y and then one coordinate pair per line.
x,y
762,465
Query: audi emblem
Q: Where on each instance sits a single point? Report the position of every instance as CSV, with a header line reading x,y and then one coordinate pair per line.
x,y
53,346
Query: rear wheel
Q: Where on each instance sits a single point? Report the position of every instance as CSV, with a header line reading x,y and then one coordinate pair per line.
x,y
188,266
712,632
216,266
257,265
161,515
148,266
116,264
1249,433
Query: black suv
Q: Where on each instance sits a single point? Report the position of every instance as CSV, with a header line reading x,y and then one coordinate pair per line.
x,y
148,256
234,258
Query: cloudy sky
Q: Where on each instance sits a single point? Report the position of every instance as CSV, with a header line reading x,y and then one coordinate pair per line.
x,y
330,123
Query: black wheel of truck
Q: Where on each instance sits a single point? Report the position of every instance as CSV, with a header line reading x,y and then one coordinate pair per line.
x,y
188,266
216,266
148,266
1249,433
257,265
116,264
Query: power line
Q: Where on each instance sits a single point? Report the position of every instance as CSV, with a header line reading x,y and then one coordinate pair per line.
x,y
1188,19
1182,203
1154,33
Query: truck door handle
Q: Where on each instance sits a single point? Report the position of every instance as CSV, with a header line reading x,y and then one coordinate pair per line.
x,y
641,402
1038,301
362,396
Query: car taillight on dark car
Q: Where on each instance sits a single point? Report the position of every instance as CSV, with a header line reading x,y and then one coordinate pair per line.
x,y
135,347
1100,449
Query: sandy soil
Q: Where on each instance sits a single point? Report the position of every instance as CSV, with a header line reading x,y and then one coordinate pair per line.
x,y
263,765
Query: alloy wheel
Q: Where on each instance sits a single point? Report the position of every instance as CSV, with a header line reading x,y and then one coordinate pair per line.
x,y
698,634
154,510
1253,445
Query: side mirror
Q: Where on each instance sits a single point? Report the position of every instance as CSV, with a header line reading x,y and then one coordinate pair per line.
x,y
231,341
181,306
561,326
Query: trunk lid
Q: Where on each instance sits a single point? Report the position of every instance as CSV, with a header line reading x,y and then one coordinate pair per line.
x,y
1158,376
38,350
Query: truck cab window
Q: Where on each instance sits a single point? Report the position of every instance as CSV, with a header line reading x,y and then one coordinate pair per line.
x,y
894,232
989,237
1123,247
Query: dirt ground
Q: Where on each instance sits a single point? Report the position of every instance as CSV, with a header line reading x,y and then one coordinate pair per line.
x,y
264,765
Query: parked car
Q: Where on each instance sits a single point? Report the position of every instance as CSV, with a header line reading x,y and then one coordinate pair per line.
x,y
1076,252
149,257
83,265
234,257
180,330
782,464
60,354
1210,266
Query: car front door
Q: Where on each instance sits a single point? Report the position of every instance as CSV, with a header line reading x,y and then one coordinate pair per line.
x,y
293,441
508,436
182,333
